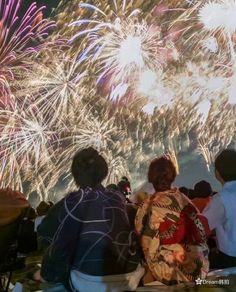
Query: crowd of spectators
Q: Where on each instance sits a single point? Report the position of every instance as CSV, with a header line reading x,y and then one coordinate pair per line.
x,y
113,239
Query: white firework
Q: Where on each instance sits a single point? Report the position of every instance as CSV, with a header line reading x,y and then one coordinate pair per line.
x,y
232,90
219,15
26,143
211,44
55,86
95,133
121,45
25,135
117,167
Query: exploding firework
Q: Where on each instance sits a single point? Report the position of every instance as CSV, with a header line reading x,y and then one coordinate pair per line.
x,y
120,44
117,167
220,17
19,34
25,142
210,25
55,86
125,49
82,129
213,135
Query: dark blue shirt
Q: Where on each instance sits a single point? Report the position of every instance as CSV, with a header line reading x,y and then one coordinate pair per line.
x,y
88,230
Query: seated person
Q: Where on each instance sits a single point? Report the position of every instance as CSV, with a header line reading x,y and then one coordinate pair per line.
x,y
202,195
42,210
172,231
12,206
87,236
221,211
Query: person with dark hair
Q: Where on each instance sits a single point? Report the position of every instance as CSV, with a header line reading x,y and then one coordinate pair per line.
x,y
202,194
42,210
173,233
87,237
184,191
221,211
187,192
112,187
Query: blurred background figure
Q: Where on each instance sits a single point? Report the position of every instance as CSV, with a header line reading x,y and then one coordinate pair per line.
x,y
42,211
187,192
124,187
202,194
113,187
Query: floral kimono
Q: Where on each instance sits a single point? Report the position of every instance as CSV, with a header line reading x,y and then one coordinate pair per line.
x,y
173,238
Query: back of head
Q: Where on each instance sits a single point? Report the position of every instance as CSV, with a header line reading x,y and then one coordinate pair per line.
x,y
89,168
162,173
202,189
42,208
225,164
184,191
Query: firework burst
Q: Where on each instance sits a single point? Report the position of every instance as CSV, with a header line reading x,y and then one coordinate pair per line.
x,y
25,142
55,86
213,135
19,34
117,167
210,25
220,17
121,44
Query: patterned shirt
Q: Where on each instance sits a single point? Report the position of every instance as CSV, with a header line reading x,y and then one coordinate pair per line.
x,y
88,231
173,238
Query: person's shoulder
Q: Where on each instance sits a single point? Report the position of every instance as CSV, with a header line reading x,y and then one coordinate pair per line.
x,y
215,202
114,195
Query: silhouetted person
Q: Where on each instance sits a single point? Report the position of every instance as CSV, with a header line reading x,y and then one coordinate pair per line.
x,y
87,236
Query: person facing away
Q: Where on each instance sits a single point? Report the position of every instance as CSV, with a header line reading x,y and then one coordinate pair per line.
x,y
202,194
172,231
221,211
42,210
87,236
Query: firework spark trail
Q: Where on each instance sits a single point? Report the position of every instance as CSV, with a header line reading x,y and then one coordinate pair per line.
x,y
119,43
210,25
117,167
220,16
55,86
25,141
31,143
18,34
84,130
213,135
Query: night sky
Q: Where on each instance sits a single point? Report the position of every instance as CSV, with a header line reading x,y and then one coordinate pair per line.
x,y
50,4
